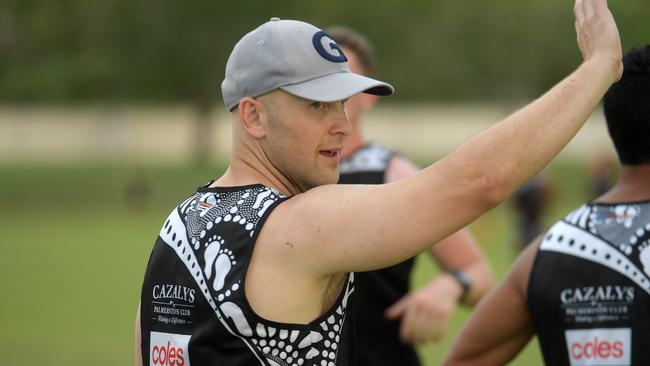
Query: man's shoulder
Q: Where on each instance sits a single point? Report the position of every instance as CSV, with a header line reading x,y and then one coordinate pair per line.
x,y
209,206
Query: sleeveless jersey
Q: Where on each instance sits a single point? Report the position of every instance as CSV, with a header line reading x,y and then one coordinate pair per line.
x,y
589,288
377,339
193,307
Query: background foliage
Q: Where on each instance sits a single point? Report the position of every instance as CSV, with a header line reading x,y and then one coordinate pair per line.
x,y
173,50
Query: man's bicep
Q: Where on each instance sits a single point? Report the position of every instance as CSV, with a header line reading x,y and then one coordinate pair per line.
x,y
328,230
343,228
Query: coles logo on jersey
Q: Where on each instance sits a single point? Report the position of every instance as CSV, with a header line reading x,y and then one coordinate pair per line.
x,y
167,349
600,346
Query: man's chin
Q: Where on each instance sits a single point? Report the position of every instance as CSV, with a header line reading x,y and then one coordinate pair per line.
x,y
333,179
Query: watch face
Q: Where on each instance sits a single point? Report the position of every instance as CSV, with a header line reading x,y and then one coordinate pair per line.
x,y
463,280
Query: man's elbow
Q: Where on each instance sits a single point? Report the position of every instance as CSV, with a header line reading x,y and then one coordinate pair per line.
x,y
494,188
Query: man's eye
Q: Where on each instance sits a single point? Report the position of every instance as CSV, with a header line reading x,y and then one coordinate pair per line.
x,y
344,102
317,105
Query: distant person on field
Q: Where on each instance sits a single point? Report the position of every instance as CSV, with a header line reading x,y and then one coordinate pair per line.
x,y
583,287
137,191
530,202
389,318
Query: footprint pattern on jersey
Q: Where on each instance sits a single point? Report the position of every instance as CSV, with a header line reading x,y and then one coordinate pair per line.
x,y
221,280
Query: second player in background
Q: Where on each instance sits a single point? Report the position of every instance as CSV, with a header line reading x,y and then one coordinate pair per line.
x,y
390,319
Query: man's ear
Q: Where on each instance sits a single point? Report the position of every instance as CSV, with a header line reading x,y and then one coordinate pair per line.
x,y
250,117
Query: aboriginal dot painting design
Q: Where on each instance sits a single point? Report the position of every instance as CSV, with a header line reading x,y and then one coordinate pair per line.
x,y
614,235
196,231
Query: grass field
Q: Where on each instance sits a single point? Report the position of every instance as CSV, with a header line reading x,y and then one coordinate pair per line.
x,y
74,252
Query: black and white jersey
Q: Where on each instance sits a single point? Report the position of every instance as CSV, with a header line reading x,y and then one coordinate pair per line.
x,y
193,307
589,288
377,340
366,165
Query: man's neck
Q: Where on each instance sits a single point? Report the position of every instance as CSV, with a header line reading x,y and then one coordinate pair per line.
x,y
251,166
236,176
633,185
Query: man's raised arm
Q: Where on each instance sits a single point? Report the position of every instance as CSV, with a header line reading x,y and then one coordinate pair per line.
x,y
335,229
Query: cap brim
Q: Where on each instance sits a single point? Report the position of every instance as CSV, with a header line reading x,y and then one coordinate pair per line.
x,y
338,86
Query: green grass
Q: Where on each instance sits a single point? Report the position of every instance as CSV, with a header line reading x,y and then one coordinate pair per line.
x,y
74,252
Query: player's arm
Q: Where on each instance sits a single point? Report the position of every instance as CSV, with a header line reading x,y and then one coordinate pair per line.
x,y
501,325
425,312
337,228
457,252
460,252
138,339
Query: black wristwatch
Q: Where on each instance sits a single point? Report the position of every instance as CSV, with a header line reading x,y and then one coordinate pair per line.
x,y
464,281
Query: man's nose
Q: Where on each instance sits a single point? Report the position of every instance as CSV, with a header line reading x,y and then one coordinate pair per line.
x,y
342,124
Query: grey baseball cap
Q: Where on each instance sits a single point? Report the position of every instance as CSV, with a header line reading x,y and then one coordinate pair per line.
x,y
296,57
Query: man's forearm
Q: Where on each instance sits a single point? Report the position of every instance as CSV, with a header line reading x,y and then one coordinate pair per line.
x,y
513,150
481,281
462,259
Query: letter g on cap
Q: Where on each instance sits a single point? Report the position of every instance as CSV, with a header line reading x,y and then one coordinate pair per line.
x,y
317,40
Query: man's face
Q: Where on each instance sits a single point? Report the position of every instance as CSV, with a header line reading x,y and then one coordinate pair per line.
x,y
305,138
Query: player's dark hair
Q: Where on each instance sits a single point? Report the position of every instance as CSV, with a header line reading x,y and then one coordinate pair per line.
x,y
356,42
627,109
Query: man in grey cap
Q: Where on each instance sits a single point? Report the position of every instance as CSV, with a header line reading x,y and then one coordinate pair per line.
x,y
256,266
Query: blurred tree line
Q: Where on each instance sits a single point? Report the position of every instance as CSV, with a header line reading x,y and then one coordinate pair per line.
x,y
69,51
